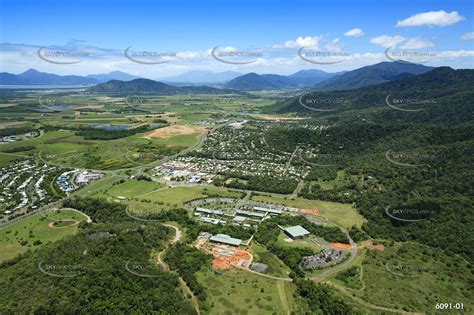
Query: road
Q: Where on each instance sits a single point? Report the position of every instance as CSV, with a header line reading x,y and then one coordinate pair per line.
x,y
161,262
340,266
85,192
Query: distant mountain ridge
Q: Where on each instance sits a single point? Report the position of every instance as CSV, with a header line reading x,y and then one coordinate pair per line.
x,y
114,75
35,77
202,77
146,86
370,75
442,95
301,79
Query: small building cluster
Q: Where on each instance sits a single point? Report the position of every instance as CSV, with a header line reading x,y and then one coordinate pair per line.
x,y
232,211
23,136
23,185
64,182
177,170
72,180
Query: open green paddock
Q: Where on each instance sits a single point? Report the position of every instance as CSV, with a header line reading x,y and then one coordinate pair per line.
x,y
344,215
240,292
34,230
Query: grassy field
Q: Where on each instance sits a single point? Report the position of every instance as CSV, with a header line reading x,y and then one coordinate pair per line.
x,y
413,277
133,188
7,159
150,196
65,148
179,140
34,231
343,214
242,292
275,266
285,241
178,196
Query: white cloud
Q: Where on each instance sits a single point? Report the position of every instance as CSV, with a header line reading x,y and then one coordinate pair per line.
x,y
417,43
334,46
432,18
306,41
387,41
355,32
18,58
467,36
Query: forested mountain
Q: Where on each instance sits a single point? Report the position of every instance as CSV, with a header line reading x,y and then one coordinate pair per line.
x,y
370,75
33,77
442,95
300,79
145,86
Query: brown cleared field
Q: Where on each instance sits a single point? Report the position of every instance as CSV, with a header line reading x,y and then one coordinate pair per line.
x,y
175,130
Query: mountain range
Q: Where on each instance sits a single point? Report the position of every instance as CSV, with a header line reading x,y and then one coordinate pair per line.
x,y
300,79
202,77
370,75
304,79
323,81
35,77
442,95
146,86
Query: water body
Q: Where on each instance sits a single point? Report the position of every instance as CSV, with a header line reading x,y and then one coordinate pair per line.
x,y
42,87
109,127
61,107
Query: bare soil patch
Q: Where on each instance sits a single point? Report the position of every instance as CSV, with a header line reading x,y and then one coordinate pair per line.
x,y
175,130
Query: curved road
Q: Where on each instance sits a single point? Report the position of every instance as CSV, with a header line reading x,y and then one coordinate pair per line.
x,y
165,266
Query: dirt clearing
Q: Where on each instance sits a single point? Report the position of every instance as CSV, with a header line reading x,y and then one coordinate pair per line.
x,y
175,130
341,246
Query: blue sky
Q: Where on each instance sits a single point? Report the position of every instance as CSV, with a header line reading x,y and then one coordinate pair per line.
x,y
190,29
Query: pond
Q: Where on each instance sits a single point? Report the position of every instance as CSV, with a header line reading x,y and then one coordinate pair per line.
x,y
110,127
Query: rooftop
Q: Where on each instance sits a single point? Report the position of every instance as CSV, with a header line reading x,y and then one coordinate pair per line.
x,y
296,231
226,239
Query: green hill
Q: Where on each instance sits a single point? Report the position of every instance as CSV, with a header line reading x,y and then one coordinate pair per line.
x,y
370,75
146,86
442,95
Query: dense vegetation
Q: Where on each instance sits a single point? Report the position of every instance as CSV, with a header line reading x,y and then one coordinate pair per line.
x,y
322,299
16,130
100,134
440,184
187,260
433,93
94,261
